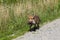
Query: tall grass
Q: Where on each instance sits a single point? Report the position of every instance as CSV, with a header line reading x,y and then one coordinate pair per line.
x,y
13,15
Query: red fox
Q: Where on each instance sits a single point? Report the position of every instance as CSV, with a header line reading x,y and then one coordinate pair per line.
x,y
34,20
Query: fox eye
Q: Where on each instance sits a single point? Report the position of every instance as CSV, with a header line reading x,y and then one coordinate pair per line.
x,y
33,18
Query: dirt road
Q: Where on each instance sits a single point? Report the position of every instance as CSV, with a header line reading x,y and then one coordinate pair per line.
x,y
50,31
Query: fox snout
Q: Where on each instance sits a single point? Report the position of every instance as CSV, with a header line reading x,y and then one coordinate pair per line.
x,y
31,22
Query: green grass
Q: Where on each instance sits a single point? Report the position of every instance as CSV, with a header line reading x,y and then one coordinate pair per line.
x,y
13,25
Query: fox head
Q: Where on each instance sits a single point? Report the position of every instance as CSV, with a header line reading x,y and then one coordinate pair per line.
x,y
31,20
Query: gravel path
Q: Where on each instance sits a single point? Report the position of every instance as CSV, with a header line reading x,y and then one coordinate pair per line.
x,y
50,31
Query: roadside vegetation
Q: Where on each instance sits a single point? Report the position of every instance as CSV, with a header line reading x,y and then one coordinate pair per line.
x,y
13,15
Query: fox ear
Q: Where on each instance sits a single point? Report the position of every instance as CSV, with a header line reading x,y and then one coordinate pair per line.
x,y
30,16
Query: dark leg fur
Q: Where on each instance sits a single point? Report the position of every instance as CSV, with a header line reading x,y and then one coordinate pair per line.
x,y
30,27
37,26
